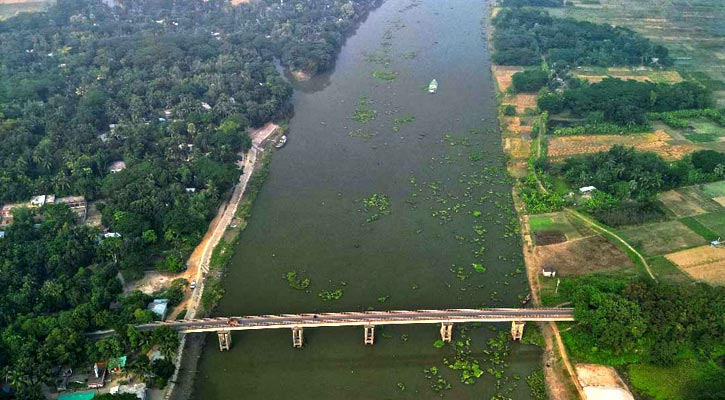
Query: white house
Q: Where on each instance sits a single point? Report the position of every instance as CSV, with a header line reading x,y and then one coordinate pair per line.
x,y
159,307
548,272
587,189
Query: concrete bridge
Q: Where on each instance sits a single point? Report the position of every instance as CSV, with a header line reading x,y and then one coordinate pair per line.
x,y
368,319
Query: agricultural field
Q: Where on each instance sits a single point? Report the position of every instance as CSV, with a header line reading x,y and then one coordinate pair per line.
x,y
561,147
705,134
662,237
503,74
522,102
596,74
693,200
546,228
691,29
583,256
715,222
11,8
704,263
716,191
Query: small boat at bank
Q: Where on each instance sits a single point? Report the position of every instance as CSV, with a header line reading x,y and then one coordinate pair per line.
x,y
433,87
526,299
281,142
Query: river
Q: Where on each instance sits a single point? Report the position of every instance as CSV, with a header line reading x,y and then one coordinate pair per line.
x,y
450,207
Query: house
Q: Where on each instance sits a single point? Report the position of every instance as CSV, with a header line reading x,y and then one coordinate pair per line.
x,y
548,272
108,235
714,243
2,234
6,213
116,365
206,106
159,307
190,190
117,166
41,200
155,354
98,379
138,389
587,189
77,204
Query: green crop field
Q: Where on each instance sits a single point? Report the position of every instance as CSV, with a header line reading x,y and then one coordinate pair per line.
x,y
691,29
8,10
715,189
558,222
714,221
662,237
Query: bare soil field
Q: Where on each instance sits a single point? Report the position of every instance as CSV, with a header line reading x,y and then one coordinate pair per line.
x,y
517,148
516,126
582,256
662,237
502,74
561,147
601,382
517,169
521,101
704,263
688,201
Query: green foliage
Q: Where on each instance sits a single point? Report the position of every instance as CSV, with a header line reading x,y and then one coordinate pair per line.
x,y
699,228
601,129
400,121
524,36
295,282
364,112
330,295
537,385
385,75
378,204
541,202
509,110
680,118
626,103
529,80
532,3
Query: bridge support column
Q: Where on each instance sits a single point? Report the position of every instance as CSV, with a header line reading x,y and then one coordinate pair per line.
x,y
517,329
369,334
225,340
446,331
297,337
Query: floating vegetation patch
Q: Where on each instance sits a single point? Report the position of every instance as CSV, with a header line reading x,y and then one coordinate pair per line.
x,y
437,382
460,272
364,112
385,75
296,282
410,55
377,204
400,121
439,344
537,385
478,267
361,134
379,57
330,295
383,299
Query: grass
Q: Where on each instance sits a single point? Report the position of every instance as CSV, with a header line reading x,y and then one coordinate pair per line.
x,y
701,137
697,227
714,221
715,189
669,383
665,270
661,237
11,10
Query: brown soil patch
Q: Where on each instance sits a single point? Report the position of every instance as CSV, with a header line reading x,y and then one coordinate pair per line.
x,y
517,169
543,238
601,382
720,200
513,125
495,11
517,148
583,256
503,75
259,135
704,263
522,101
561,147
235,2
680,203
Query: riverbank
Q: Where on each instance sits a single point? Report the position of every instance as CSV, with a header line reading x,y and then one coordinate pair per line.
x,y
200,264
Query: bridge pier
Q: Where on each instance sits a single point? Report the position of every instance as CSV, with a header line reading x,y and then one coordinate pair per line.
x,y
225,340
446,331
297,337
369,334
517,329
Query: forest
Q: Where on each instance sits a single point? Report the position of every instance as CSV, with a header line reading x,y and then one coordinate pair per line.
x,y
625,103
169,88
621,322
526,36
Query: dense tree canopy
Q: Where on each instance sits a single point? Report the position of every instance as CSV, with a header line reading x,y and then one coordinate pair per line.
x,y
170,88
626,102
525,36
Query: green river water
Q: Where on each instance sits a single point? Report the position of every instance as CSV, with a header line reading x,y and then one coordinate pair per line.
x,y
437,172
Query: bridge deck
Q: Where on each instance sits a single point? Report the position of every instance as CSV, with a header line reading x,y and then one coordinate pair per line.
x,y
366,318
